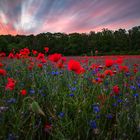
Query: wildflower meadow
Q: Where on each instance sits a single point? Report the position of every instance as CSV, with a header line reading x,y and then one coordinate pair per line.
x,y
53,97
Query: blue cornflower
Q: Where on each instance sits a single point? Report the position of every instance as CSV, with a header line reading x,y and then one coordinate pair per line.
x,y
116,97
11,100
31,91
96,108
106,83
109,116
135,95
73,89
69,86
53,72
94,72
119,100
43,94
56,73
71,95
93,124
96,79
61,72
98,69
40,91
127,74
98,117
138,85
74,82
61,114
133,87
114,104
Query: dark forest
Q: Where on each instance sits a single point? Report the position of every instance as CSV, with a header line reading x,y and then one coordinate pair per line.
x,y
106,42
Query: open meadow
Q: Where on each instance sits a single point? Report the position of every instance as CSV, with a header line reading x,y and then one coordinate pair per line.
x,y
69,98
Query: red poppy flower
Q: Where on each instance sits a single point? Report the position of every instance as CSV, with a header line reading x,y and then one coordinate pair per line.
x,y
135,70
1,64
24,52
109,62
43,60
11,55
94,66
55,57
124,68
17,56
82,70
131,78
63,59
23,92
2,72
10,84
75,66
101,75
48,127
2,54
11,80
30,67
46,49
119,61
40,65
108,72
60,65
116,89
135,65
40,56
34,52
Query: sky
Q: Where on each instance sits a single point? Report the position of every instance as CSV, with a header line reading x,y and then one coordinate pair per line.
x,y
67,16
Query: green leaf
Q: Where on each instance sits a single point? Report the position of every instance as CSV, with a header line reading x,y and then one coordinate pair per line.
x,y
36,108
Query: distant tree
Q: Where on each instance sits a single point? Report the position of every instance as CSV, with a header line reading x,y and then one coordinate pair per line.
x,y
3,44
106,42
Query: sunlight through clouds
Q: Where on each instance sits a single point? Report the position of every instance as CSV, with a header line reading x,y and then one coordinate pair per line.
x,y
36,16
3,18
28,12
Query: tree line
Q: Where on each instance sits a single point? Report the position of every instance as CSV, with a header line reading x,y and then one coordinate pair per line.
x,y
106,42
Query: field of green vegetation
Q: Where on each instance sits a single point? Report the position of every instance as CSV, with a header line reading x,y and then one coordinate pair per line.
x,y
69,98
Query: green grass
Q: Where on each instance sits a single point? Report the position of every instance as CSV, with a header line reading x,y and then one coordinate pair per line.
x,y
65,101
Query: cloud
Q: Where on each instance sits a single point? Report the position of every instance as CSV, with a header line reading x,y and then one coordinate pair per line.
x,y
36,16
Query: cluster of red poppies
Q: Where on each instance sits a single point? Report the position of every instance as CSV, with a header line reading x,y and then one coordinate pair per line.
x,y
73,65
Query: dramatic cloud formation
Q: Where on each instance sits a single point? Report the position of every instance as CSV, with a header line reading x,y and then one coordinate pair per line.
x,y
36,16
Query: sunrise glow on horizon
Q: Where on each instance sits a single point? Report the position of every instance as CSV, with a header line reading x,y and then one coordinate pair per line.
x,y
67,16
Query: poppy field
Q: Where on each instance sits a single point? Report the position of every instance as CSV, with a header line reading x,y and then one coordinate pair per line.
x,y
69,98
